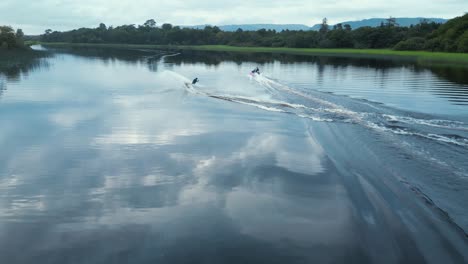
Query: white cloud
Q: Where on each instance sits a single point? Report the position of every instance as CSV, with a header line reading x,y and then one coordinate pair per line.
x,y
36,16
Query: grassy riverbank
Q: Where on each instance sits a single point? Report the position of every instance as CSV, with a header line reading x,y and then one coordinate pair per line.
x,y
420,56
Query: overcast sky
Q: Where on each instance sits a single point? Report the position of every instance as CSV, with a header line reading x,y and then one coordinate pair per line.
x,y
34,16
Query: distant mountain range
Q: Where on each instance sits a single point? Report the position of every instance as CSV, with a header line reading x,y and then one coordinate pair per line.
x,y
375,22
372,22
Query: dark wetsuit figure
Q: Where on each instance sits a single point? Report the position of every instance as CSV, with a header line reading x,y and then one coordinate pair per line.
x,y
195,81
257,71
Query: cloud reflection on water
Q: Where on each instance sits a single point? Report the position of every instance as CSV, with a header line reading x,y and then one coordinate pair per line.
x,y
123,159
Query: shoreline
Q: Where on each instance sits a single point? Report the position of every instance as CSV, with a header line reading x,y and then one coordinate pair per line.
x,y
422,57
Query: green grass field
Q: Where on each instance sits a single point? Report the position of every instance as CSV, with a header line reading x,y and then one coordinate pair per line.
x,y
420,56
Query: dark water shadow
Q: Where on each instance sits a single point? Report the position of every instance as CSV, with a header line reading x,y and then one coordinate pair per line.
x,y
150,57
15,65
453,74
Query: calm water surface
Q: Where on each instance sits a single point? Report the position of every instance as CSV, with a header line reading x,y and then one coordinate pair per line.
x,y
111,156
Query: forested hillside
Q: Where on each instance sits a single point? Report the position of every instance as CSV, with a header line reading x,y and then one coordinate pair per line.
x,y
451,37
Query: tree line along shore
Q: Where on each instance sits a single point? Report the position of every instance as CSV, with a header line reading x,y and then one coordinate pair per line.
x,y
425,36
425,41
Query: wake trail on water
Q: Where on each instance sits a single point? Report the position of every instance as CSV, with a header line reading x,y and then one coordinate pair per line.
x,y
442,131
434,140
430,141
169,55
313,105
